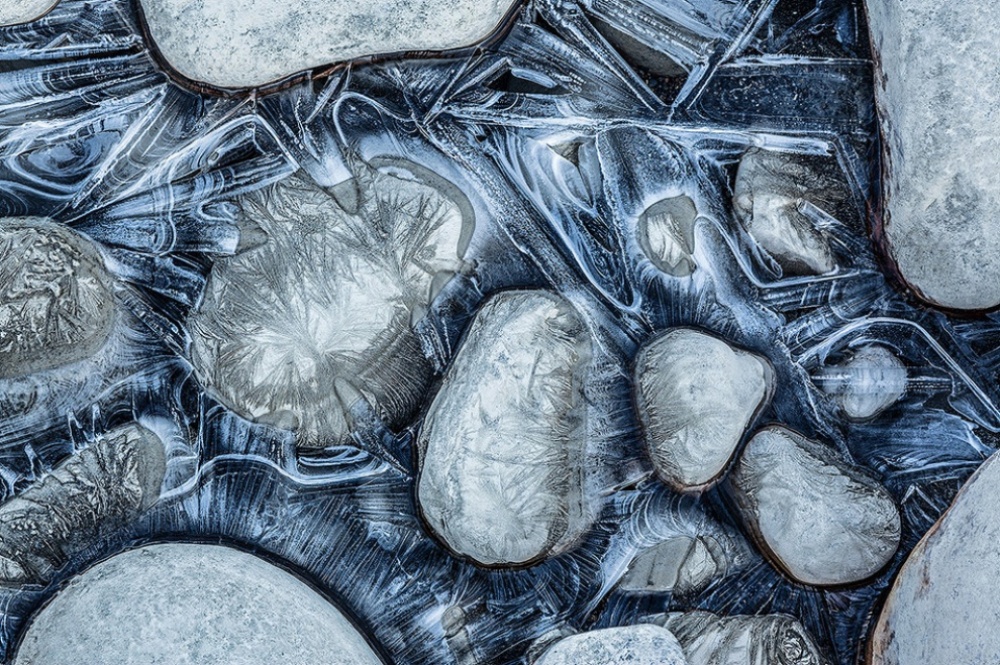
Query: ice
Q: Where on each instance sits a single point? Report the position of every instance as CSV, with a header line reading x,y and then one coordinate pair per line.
x,y
179,603
633,645
871,380
820,519
696,395
232,44
56,303
301,329
681,564
666,235
502,446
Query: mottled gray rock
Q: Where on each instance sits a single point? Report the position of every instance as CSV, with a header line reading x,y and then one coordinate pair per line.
x,y
821,520
644,644
941,150
770,192
868,382
92,494
56,303
501,447
682,565
180,604
774,639
13,12
944,604
666,235
244,44
696,395
315,316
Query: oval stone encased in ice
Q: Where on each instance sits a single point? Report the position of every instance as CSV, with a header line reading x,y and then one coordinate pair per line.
x,y
821,520
769,639
696,394
181,603
502,443
644,644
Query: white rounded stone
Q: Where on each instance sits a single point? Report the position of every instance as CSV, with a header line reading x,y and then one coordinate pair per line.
x,y
871,380
819,519
180,604
696,395
644,644
500,476
13,12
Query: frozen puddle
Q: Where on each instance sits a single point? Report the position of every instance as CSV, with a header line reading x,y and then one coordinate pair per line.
x,y
239,45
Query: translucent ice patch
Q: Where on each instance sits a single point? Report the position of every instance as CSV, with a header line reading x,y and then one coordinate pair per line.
x,y
244,44
501,448
644,644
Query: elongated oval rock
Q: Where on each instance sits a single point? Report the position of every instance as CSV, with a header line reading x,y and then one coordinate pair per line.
x,y
821,520
501,447
944,604
56,303
246,44
644,644
941,150
695,396
182,603
871,380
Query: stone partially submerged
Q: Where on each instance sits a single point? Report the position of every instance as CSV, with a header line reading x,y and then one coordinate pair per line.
x,y
695,396
945,601
666,235
681,565
235,45
867,383
644,644
182,603
502,445
940,151
821,520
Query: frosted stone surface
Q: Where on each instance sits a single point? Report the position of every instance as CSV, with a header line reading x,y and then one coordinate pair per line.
x,y
774,639
941,146
20,11
769,195
696,394
245,44
945,601
177,604
821,520
93,493
56,302
666,235
298,329
630,645
867,383
501,448
682,564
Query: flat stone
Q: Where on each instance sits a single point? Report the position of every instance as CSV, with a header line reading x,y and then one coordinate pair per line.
x,y
180,603
13,12
56,303
681,565
772,639
944,603
644,644
941,151
696,394
867,383
666,235
821,520
89,496
501,447
252,43
314,317
770,192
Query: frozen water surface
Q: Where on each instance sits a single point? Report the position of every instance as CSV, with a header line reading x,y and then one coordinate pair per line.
x,y
298,290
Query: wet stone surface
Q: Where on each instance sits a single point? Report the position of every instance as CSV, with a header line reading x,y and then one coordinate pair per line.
x,y
638,645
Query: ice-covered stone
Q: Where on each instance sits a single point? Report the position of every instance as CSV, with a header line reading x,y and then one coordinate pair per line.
x,y
682,564
871,380
821,520
773,639
245,44
770,191
666,235
296,330
13,12
56,303
644,644
696,394
501,447
941,151
944,604
182,603
92,494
